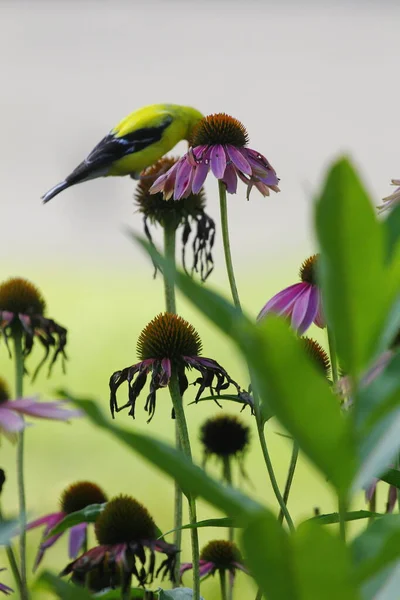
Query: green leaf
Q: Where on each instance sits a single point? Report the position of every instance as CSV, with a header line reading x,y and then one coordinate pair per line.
x,y
356,298
392,477
222,522
69,591
322,565
391,226
331,518
269,555
175,464
304,402
377,547
86,515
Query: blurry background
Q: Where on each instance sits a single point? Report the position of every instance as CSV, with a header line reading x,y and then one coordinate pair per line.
x,y
309,81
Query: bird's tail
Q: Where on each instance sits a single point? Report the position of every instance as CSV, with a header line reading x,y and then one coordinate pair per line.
x,y
56,190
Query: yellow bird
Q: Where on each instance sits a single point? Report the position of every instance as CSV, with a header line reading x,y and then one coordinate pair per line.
x,y
135,143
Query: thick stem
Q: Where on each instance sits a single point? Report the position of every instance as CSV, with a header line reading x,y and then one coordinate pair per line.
x,y
185,443
236,301
227,245
19,377
289,478
170,306
13,562
222,579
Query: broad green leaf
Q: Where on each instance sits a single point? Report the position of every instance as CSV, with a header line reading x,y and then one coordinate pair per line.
x,y
272,352
332,518
392,477
377,547
69,591
222,522
175,464
177,594
384,586
269,555
86,515
304,402
391,225
355,294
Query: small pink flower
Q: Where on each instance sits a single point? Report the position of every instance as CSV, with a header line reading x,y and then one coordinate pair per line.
x,y
12,412
218,555
4,588
392,200
301,301
219,144
76,497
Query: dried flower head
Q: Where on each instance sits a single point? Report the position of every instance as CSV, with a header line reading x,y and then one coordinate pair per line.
x,y
187,213
22,310
167,343
124,531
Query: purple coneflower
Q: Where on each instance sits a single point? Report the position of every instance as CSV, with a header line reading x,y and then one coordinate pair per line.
x,y
168,342
301,301
219,142
12,412
4,588
187,213
76,497
218,555
391,201
22,310
124,531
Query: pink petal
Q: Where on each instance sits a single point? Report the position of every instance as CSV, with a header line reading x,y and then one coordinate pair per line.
x,y
230,179
200,175
9,420
4,588
77,536
50,521
305,309
183,178
205,568
218,161
282,303
185,567
45,410
319,317
238,159
166,372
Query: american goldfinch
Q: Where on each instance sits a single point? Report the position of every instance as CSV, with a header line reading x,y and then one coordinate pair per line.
x,y
135,143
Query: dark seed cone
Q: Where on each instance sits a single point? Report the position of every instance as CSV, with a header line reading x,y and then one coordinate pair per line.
x,y
80,495
224,436
308,270
318,355
168,336
219,129
4,391
124,520
222,553
18,295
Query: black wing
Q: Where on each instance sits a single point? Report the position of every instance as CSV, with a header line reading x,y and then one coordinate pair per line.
x,y
112,148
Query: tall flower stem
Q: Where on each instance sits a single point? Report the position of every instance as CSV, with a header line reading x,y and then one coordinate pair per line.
x,y
170,305
289,477
185,443
13,562
227,244
19,377
231,530
236,301
222,579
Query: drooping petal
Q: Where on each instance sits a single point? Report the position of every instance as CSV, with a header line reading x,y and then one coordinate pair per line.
x,y
218,161
392,499
183,178
319,317
238,159
200,175
77,536
10,421
230,179
305,309
185,567
43,547
282,303
49,520
205,568
4,588
166,370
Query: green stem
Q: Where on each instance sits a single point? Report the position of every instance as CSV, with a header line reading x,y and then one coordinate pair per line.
x,y
372,505
226,242
222,579
259,594
231,530
289,478
126,589
185,443
170,306
19,377
236,301
13,562
333,355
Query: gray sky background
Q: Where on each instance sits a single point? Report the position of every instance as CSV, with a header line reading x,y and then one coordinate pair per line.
x,y
309,82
